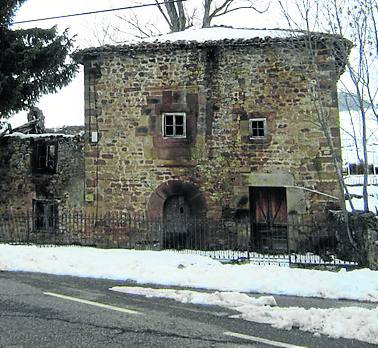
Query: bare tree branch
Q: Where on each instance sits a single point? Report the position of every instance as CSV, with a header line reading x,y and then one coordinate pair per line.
x,y
134,23
225,8
167,19
181,15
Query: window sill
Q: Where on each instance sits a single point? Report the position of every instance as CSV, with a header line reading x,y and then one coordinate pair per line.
x,y
257,138
174,137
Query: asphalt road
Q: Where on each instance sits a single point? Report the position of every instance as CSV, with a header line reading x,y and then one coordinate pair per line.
x,y
31,318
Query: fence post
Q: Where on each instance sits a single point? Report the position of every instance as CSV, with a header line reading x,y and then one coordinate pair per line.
x,y
288,239
27,226
248,241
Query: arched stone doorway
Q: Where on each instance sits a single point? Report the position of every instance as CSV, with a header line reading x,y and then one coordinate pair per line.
x,y
179,205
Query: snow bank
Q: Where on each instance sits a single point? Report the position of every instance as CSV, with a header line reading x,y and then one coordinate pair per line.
x,y
174,269
224,299
347,322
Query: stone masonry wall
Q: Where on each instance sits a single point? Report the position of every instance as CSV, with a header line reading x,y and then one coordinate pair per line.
x,y
220,89
19,185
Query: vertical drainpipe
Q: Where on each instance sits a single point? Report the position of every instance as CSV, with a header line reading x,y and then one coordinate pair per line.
x,y
87,127
98,139
90,70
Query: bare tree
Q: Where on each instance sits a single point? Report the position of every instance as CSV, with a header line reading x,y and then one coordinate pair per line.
x,y
141,29
360,27
357,21
179,18
102,33
212,9
304,26
174,13
175,16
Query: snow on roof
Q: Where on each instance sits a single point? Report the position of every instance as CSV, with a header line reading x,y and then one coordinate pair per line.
x,y
204,37
196,37
218,34
42,135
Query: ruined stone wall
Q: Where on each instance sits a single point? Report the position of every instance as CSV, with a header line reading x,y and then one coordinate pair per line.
x,y
220,89
361,245
19,184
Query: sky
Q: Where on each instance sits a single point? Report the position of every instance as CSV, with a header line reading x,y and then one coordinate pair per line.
x,y
347,136
67,106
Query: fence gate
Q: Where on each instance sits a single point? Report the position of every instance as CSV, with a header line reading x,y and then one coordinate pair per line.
x,y
268,218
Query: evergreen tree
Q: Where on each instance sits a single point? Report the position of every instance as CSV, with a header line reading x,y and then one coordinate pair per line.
x,y
33,62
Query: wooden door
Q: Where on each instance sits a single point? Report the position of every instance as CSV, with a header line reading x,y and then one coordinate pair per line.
x,y
176,221
269,218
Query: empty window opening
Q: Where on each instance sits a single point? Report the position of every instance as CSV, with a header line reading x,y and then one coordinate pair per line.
x,y
257,127
45,157
174,125
45,215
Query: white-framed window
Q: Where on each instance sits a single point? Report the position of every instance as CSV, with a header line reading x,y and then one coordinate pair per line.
x,y
257,128
174,125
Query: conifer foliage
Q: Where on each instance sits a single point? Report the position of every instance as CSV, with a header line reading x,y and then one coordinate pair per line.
x,y
33,62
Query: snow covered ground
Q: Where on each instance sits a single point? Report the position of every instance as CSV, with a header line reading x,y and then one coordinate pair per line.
x,y
354,183
356,192
231,282
175,269
347,322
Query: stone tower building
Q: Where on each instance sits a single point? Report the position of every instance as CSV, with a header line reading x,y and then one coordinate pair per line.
x,y
213,122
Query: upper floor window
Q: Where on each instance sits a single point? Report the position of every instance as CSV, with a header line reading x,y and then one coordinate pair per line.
x,y
45,157
174,125
257,128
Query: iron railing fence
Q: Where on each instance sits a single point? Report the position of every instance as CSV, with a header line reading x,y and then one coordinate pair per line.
x,y
358,180
295,243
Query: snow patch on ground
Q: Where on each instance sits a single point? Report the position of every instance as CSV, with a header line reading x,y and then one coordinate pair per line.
x,y
224,299
347,322
188,270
